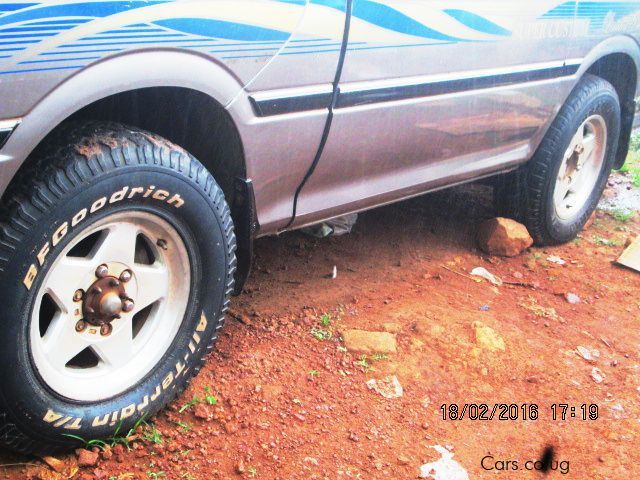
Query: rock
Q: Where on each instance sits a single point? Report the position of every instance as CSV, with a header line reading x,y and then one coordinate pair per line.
x,y
201,411
87,458
597,375
487,338
54,463
107,453
504,237
388,387
588,354
572,298
230,427
361,341
403,460
556,259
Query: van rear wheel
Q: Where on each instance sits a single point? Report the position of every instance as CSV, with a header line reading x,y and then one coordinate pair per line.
x,y
116,266
556,192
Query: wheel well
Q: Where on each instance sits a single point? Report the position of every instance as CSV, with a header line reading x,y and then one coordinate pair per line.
x,y
186,117
620,70
196,122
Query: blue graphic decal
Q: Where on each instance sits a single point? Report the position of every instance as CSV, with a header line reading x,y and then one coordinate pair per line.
x,y
390,19
596,12
476,22
221,29
85,9
10,7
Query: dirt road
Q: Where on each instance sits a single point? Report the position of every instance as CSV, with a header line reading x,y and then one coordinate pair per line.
x,y
292,403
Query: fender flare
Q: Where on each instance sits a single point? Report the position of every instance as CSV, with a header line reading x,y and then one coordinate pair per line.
x,y
624,44
113,75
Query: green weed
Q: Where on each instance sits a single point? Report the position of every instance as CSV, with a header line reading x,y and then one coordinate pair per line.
x,y
320,334
188,405
209,397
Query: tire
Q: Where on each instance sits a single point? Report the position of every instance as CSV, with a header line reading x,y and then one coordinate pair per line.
x,y
80,207
527,194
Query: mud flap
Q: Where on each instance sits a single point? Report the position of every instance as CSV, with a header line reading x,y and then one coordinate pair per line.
x,y
243,212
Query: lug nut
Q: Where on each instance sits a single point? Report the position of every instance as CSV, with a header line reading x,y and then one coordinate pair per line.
x,y
127,305
79,295
114,282
106,329
81,326
162,244
96,290
102,271
125,276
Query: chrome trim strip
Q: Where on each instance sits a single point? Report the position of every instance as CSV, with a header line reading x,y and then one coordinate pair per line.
x,y
6,129
362,93
430,89
277,102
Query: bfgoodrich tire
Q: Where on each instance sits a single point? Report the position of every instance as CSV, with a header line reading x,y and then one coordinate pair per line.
x,y
116,266
556,192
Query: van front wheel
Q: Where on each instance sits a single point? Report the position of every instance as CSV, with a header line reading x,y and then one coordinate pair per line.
x,y
116,266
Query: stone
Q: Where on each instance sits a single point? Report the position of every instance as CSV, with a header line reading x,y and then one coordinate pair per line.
x,y
597,375
362,341
572,298
487,338
87,458
201,411
388,387
54,463
504,237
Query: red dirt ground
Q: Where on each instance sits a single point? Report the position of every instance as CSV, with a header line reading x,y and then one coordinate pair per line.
x,y
291,406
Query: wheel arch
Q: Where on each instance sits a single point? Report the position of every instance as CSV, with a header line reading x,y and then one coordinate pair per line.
x,y
179,96
617,60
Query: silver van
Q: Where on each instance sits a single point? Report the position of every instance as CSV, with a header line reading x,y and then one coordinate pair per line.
x,y
144,145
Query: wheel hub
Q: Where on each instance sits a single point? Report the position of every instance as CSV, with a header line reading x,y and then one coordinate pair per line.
x,y
106,299
580,169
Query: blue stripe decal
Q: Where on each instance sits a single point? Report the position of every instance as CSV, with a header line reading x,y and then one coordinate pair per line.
x,y
476,22
116,37
222,29
75,45
61,21
134,30
8,72
36,29
83,51
75,59
19,42
25,35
